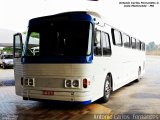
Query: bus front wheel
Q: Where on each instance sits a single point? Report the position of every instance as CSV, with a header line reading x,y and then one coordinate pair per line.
x,y
107,89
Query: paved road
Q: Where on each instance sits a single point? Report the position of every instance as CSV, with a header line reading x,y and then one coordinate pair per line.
x,y
6,77
136,98
6,74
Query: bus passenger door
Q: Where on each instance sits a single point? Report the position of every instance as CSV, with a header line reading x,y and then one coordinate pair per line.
x,y
18,67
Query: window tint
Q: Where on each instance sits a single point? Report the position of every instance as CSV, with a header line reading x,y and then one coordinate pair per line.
x,y
138,44
116,35
106,44
126,40
133,43
97,44
59,38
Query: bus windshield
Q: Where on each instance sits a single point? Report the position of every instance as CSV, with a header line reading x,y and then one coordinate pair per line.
x,y
72,38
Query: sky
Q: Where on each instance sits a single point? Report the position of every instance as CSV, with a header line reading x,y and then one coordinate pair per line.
x,y
140,22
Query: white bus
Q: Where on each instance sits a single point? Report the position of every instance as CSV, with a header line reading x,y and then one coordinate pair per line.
x,y
78,58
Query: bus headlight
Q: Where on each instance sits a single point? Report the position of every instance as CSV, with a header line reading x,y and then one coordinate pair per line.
x,y
75,83
68,83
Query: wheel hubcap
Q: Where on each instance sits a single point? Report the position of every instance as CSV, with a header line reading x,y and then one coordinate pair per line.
x,y
107,88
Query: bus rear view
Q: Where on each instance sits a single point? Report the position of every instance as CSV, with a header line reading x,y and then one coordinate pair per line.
x,y
55,58
76,57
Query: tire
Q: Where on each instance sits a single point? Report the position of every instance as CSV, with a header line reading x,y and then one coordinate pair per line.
x,y
107,89
4,66
139,73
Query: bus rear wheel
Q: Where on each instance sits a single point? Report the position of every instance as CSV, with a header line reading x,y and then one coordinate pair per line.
x,y
139,75
107,89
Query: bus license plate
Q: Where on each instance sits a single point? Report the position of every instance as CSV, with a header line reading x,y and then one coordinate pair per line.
x,y
48,92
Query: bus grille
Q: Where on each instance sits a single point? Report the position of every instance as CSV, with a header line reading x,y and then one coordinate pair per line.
x,y
49,82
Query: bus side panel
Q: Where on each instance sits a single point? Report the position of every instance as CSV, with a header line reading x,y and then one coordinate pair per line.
x,y
18,74
101,66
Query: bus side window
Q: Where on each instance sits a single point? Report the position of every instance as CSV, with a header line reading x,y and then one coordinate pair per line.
x,y
143,46
33,44
116,36
133,43
126,40
106,44
97,44
138,44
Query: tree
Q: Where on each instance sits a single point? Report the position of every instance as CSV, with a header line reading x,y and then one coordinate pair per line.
x,y
33,34
8,50
151,46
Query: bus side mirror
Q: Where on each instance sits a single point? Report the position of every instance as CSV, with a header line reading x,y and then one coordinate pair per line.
x,y
17,45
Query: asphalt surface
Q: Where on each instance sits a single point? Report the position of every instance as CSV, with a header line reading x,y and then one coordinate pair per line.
x,y
6,77
136,98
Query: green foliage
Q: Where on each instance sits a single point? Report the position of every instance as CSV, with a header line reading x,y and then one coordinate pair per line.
x,y
25,32
7,50
33,34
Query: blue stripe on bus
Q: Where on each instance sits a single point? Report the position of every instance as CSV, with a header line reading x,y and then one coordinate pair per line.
x,y
84,102
81,16
57,59
62,102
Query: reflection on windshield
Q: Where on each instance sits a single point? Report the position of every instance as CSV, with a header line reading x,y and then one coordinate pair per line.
x,y
60,38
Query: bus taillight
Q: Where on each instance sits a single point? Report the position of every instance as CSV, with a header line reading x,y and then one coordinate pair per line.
x,y
85,83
